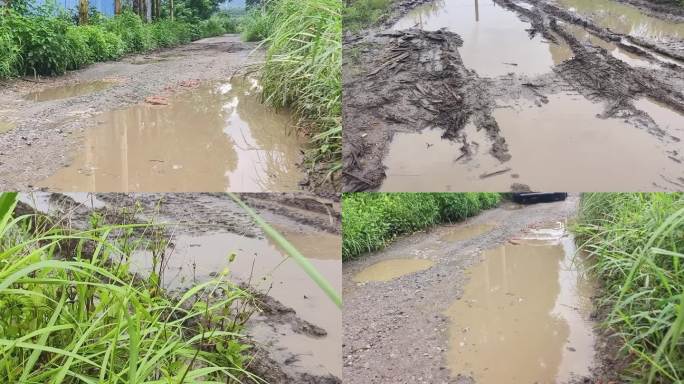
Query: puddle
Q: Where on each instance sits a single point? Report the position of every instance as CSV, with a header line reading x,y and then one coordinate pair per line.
x,y
67,91
197,258
461,233
214,138
667,119
494,39
625,19
6,126
43,203
524,315
391,269
570,149
563,52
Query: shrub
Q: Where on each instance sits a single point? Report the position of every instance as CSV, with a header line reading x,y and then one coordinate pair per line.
x,y
42,40
212,27
372,220
9,54
79,48
363,13
130,28
255,25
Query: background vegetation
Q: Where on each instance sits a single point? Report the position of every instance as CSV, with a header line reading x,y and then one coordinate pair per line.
x,y
636,244
303,68
370,221
363,13
70,312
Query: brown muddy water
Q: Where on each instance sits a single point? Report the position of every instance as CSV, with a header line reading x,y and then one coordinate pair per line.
x,y
560,146
6,126
494,39
197,258
625,19
67,91
524,314
391,269
216,137
461,233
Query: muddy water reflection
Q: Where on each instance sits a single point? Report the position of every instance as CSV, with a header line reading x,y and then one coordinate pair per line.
x,y
625,19
562,145
461,233
667,119
391,269
523,317
214,138
198,258
495,45
71,90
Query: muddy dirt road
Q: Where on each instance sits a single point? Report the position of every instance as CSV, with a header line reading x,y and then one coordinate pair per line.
x,y
184,119
495,299
297,334
516,95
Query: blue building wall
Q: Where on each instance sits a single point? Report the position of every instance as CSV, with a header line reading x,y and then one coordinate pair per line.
x,y
104,6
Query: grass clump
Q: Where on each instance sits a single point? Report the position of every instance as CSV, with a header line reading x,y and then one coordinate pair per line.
x,y
636,244
70,312
303,69
370,221
363,13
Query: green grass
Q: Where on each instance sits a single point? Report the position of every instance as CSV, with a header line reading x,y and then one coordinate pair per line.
x,y
363,13
70,312
303,68
636,244
370,221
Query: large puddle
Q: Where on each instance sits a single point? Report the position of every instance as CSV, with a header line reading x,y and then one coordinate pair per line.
x,y
494,39
216,137
67,91
196,258
391,269
524,315
560,146
625,19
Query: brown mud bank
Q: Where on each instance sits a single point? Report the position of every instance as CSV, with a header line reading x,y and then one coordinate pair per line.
x,y
567,108
187,119
295,332
466,298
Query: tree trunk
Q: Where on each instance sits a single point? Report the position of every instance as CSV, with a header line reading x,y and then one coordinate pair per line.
x,y
83,12
117,7
171,5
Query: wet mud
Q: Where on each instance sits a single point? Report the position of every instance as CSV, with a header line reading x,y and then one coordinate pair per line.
x,y
215,137
472,130
63,123
387,270
296,331
410,330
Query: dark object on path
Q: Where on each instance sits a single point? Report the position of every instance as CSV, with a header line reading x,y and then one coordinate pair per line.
x,y
537,197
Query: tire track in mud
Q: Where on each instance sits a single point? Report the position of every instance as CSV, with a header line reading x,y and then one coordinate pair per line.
x,y
199,214
389,91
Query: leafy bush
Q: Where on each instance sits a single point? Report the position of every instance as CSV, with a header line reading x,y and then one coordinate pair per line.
x,y
78,46
372,220
635,242
255,25
42,41
211,27
129,26
363,13
104,45
9,54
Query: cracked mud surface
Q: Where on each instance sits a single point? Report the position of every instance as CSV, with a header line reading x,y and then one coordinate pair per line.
x,y
296,334
407,80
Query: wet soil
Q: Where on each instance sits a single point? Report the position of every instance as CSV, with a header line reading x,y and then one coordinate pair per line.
x,y
297,331
118,126
474,124
410,329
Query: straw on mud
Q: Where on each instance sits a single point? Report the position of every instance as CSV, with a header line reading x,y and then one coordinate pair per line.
x,y
292,252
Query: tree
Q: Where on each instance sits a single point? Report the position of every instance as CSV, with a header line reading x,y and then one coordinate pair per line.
x,y
83,12
117,7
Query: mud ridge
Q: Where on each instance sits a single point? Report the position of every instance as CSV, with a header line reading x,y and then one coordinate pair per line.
x,y
407,81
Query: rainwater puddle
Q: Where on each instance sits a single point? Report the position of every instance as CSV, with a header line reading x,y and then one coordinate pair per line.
x,y
524,314
560,146
67,91
391,269
198,258
494,39
462,233
46,203
625,19
214,138
667,119
6,126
